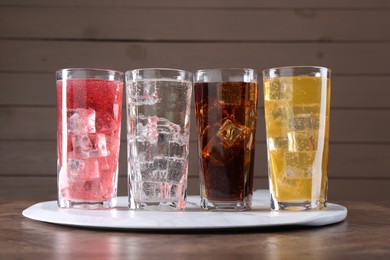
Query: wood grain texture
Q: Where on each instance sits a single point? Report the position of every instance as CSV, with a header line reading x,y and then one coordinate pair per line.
x,y
48,56
296,25
220,4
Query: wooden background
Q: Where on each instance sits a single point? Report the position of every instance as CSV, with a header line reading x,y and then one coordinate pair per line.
x,y
350,37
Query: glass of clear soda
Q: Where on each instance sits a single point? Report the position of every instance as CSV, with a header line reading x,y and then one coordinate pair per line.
x,y
158,127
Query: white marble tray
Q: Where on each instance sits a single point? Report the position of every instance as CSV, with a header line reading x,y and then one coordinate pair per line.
x,y
191,218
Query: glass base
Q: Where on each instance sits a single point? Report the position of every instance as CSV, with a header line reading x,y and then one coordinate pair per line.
x,y
296,205
225,205
78,204
162,206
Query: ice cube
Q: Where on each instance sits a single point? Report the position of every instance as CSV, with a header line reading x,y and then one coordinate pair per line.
x,y
93,186
81,142
299,164
230,132
144,92
279,89
83,169
81,121
99,145
177,170
246,116
75,168
105,165
218,153
212,112
115,108
105,122
177,150
230,93
91,168
90,145
278,143
159,175
146,128
144,169
281,114
160,163
150,190
312,109
299,141
301,122
164,125
163,144
145,150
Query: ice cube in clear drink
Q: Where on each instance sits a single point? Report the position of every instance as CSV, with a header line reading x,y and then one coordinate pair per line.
x,y
177,150
160,163
177,169
144,92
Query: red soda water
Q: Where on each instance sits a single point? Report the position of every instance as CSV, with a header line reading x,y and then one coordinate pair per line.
x,y
88,133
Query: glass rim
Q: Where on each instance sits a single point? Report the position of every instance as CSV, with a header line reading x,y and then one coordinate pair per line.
x,y
225,69
90,69
298,67
159,69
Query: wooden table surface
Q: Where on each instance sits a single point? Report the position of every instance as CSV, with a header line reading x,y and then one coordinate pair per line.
x,y
365,234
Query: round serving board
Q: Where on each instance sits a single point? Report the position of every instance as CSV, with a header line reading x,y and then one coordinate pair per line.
x,y
191,218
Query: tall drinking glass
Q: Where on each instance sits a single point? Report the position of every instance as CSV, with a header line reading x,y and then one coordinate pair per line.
x,y
226,113
297,106
89,107
158,128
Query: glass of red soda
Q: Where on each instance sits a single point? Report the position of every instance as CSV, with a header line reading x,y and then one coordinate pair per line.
x,y
89,108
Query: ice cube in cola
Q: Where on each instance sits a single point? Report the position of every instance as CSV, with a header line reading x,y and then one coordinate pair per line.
x,y
226,115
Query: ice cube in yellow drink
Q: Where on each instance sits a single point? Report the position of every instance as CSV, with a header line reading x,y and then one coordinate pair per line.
x,y
297,126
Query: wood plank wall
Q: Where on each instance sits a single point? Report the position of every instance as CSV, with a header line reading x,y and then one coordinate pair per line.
x,y
350,37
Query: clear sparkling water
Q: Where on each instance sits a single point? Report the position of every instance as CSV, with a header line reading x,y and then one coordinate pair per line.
x,y
158,138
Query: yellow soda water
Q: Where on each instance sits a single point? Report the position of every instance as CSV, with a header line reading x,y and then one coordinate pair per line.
x,y
297,127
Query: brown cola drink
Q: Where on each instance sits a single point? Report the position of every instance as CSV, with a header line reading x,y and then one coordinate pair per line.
x,y
226,115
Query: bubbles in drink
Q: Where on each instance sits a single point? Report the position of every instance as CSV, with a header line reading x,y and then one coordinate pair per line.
x,y
292,121
91,141
90,145
299,164
231,133
158,143
279,89
226,115
81,121
229,93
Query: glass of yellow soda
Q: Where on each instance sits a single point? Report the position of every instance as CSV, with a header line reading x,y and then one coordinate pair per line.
x,y
297,107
